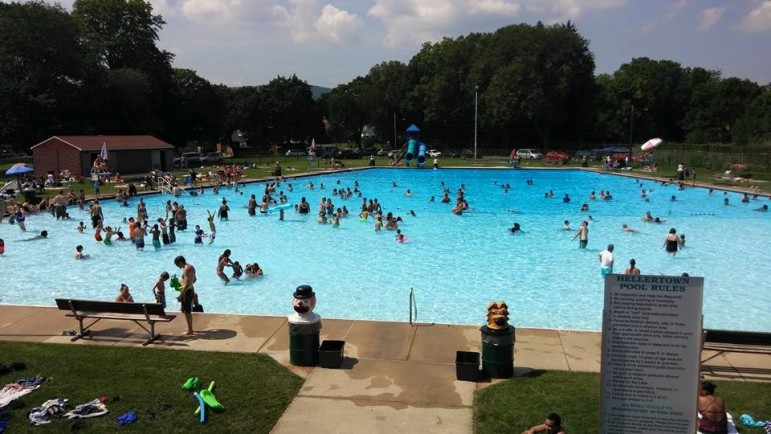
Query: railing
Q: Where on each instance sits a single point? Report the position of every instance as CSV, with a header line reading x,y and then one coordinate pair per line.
x,y
413,305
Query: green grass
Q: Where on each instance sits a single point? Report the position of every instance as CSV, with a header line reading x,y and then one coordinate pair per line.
x,y
519,403
254,389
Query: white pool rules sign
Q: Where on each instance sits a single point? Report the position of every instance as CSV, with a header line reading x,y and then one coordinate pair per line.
x,y
651,344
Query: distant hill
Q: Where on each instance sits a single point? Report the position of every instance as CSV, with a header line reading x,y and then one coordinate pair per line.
x,y
318,91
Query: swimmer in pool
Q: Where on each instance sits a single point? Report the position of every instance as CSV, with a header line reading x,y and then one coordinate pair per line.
x,y
81,227
79,253
516,228
763,208
626,228
671,242
566,225
43,235
632,269
648,218
582,234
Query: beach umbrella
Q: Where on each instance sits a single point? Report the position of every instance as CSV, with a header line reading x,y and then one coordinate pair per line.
x,y
650,144
19,169
103,152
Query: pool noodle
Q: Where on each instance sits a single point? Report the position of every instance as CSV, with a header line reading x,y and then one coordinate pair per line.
x,y
201,407
279,207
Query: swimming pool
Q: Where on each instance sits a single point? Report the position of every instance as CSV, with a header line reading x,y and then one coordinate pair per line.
x,y
456,264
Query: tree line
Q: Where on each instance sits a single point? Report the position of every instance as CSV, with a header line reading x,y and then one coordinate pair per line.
x,y
98,70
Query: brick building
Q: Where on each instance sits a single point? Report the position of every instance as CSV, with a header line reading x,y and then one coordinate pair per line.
x,y
126,154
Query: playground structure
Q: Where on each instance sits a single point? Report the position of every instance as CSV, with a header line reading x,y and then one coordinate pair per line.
x,y
415,149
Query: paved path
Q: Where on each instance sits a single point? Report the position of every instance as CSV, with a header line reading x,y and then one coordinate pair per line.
x,y
395,378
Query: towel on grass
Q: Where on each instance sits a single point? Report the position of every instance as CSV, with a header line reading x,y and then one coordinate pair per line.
x,y
42,415
19,388
93,408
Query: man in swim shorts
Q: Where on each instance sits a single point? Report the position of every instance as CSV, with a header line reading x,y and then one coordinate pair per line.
x,y
606,260
582,234
187,295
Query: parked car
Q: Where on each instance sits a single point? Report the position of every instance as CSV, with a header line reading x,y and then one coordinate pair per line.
x,y
393,153
433,153
383,152
557,157
590,155
212,158
529,154
190,159
295,153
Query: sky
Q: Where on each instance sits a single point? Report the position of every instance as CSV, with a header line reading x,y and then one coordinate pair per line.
x,y
331,42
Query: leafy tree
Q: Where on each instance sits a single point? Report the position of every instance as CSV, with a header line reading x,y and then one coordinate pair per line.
x,y
41,73
290,113
344,110
121,35
199,110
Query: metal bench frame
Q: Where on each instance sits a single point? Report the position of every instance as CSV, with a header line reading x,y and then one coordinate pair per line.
x,y
144,315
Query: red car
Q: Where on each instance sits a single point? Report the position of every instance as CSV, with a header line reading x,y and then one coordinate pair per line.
x,y
557,157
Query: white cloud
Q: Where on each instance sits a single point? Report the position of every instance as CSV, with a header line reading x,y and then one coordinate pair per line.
x,y
211,10
412,22
710,17
336,24
675,8
759,18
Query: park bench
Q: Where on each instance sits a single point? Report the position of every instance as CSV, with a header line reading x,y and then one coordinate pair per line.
x,y
140,313
737,341
723,341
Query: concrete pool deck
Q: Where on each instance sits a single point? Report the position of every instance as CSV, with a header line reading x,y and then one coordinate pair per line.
x,y
395,377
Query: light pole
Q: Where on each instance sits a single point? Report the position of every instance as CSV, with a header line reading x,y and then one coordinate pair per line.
x,y
476,115
631,128
394,130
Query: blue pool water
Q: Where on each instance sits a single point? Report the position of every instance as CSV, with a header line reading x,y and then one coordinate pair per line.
x,y
456,264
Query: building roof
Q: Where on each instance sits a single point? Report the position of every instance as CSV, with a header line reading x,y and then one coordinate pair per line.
x,y
114,143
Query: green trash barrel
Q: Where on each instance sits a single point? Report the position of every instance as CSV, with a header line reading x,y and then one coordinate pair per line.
x,y
304,344
498,352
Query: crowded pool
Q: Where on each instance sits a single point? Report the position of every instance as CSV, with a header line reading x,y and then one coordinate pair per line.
x,y
455,264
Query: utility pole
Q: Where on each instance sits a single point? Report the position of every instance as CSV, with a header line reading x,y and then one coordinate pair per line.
x,y
476,116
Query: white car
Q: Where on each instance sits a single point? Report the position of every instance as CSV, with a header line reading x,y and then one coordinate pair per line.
x,y
529,154
433,153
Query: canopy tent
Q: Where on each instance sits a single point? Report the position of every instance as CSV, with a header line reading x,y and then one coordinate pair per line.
x,y
614,149
413,129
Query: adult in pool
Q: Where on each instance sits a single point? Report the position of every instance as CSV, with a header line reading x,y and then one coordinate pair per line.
x,y
582,234
671,242
632,268
516,228
124,296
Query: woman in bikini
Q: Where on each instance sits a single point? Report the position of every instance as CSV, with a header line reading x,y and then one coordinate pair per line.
x,y
712,411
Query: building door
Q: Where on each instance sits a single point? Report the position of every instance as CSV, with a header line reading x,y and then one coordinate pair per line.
x,y
156,159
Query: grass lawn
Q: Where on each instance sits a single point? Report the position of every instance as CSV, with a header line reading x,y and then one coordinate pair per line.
x,y
254,389
519,403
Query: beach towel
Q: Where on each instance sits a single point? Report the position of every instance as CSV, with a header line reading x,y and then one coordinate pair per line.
x,y
42,415
19,388
93,408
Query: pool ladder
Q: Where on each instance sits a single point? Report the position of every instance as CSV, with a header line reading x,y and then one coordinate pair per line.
x,y
414,310
413,305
